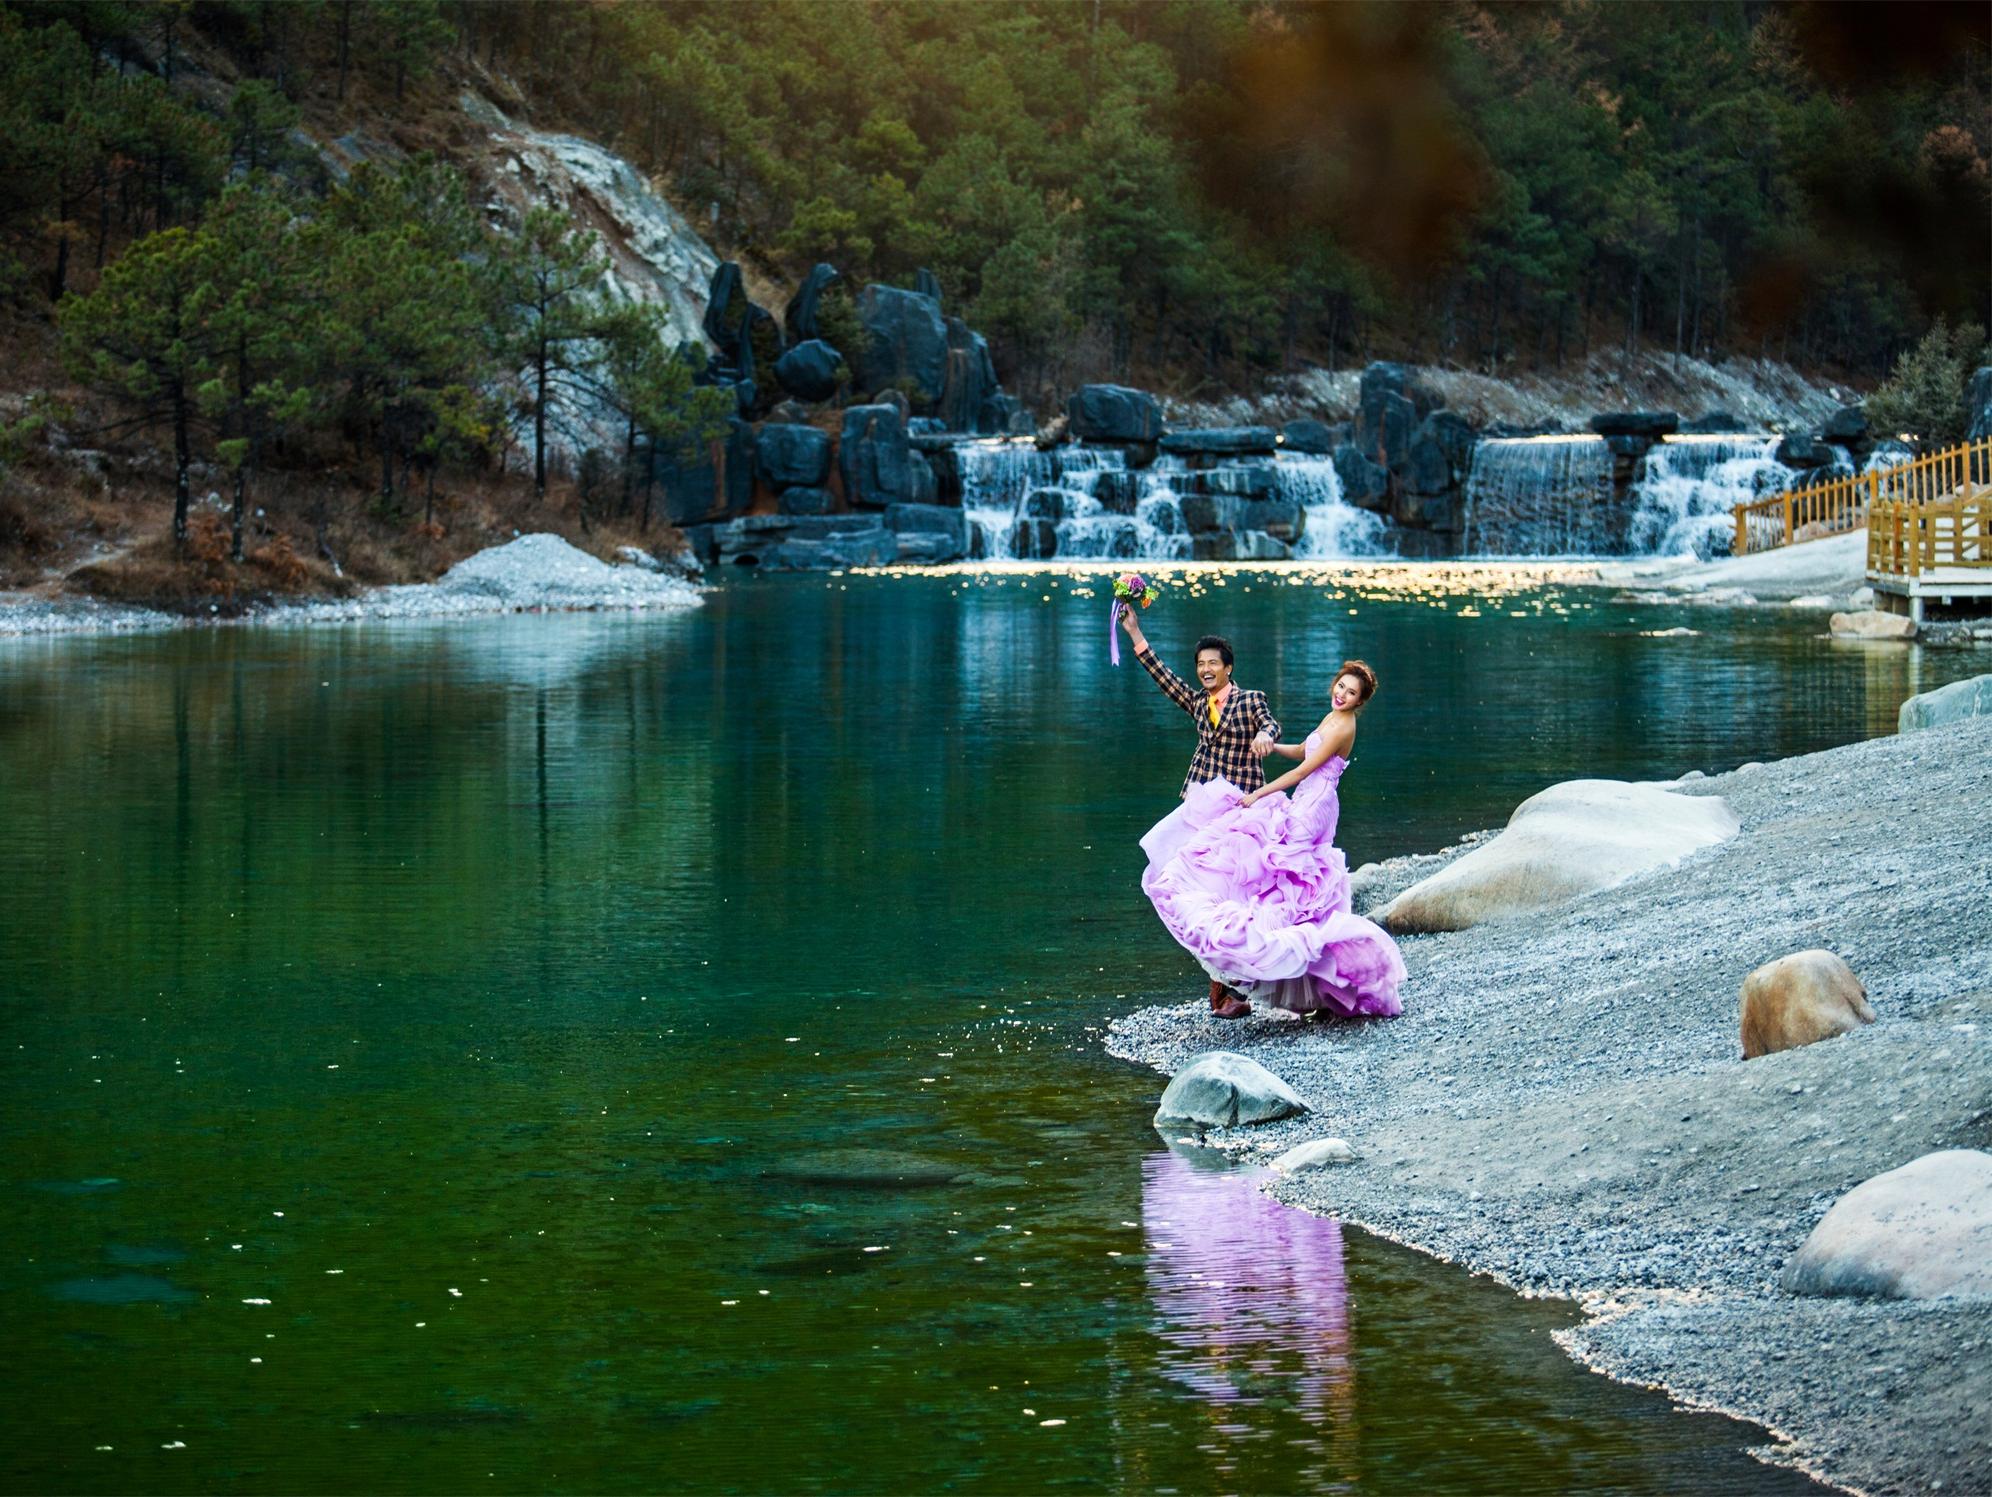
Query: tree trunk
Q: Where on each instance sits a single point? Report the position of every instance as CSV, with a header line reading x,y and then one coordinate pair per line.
x,y
183,459
345,43
539,428
241,505
629,464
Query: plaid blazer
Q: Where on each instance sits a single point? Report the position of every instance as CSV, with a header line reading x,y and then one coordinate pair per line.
x,y
1226,749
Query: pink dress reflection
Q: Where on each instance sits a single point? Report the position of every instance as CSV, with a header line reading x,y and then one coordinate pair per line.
x,y
1252,1310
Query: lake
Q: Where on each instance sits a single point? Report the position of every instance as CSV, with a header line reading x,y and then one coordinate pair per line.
x,y
627,1053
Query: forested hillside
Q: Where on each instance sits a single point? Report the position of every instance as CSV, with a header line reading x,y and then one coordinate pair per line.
x,y
244,226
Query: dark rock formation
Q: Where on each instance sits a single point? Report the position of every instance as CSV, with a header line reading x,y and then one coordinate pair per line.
x,y
1846,427
811,371
1652,425
1365,484
1117,491
1245,482
906,346
1798,450
800,314
1207,513
807,501
1390,403
717,480
872,457
921,486
970,380
1114,413
1034,540
927,284
793,455
1716,421
726,310
928,532
1978,404
1043,504
1221,441
1314,437
1005,416
1441,452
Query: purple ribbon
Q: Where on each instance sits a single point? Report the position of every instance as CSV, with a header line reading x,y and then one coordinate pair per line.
x,y
1113,639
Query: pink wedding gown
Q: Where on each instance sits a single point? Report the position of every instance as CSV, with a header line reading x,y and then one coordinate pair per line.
x,y
1259,896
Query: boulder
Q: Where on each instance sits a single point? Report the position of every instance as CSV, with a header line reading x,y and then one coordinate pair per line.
x,y
1117,490
1005,416
1220,1089
807,500
969,380
1390,402
1315,1154
927,284
1239,483
1846,427
1572,839
799,317
1716,421
792,455
906,345
921,485
1113,413
1651,425
876,547
727,314
812,371
928,532
945,464
716,480
1214,545
1221,441
872,456
1960,699
1316,438
1872,623
1207,512
1044,504
1365,484
1441,451
1257,545
1798,999
1798,450
1923,1231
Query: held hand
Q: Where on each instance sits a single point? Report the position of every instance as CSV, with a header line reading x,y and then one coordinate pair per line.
x,y
1127,622
1250,799
1262,746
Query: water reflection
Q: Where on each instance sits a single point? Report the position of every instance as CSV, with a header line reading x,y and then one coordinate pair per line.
x,y
1251,1302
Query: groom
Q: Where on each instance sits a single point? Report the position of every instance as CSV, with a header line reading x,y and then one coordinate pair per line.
x,y
1235,730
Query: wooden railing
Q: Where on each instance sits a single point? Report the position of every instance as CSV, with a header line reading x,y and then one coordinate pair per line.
x,y
1845,503
1906,539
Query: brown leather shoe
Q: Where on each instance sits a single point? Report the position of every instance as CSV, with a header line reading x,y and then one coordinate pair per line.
x,y
1231,1006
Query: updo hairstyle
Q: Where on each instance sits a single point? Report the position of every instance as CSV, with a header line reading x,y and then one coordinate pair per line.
x,y
1361,671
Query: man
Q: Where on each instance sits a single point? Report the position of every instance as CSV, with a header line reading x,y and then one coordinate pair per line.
x,y
1235,730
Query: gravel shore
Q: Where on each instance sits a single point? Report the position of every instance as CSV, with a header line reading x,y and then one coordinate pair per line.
x,y
1562,1105
535,573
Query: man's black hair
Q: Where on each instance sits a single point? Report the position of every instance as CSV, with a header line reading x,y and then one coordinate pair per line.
x,y
1217,643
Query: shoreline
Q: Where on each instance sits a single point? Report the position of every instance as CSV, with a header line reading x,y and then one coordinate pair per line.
x,y
1562,1109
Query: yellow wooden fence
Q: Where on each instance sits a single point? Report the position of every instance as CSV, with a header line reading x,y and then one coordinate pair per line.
x,y
1845,504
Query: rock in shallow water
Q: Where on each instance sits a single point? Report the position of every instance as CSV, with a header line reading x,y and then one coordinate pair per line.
x,y
1798,999
1221,1089
1574,838
1960,699
1872,624
1923,1231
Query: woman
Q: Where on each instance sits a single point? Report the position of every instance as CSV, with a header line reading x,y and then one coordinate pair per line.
x,y
1255,889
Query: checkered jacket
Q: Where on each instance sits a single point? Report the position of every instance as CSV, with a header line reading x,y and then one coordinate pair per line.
x,y
1227,748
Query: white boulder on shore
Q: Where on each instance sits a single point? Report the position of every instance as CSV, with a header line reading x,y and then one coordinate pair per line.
x,y
1972,698
1221,1089
1872,623
1572,839
1315,1154
1923,1231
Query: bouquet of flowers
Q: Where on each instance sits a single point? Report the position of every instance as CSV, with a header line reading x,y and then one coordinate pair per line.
x,y
1131,590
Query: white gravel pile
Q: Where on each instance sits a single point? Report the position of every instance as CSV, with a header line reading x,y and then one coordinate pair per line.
x,y
534,572
31,614
1563,1106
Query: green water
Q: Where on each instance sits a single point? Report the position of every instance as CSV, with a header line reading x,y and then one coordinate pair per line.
x,y
420,1041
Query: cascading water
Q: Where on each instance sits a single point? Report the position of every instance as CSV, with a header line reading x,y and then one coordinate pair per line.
x,y
1085,502
1335,527
1539,496
1022,502
1688,486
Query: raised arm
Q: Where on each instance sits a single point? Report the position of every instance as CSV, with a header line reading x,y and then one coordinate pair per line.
x,y
1174,687
1267,737
1335,738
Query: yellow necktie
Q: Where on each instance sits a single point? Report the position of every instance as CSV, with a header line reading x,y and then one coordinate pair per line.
x,y
1213,712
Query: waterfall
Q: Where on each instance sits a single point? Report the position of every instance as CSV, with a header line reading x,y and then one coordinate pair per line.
x,y
1052,499
1335,527
1688,486
1539,496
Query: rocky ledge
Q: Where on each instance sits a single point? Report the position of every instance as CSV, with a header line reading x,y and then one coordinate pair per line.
x,y
1563,1104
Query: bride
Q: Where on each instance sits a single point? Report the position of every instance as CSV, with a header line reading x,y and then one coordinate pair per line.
x,y
1255,889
